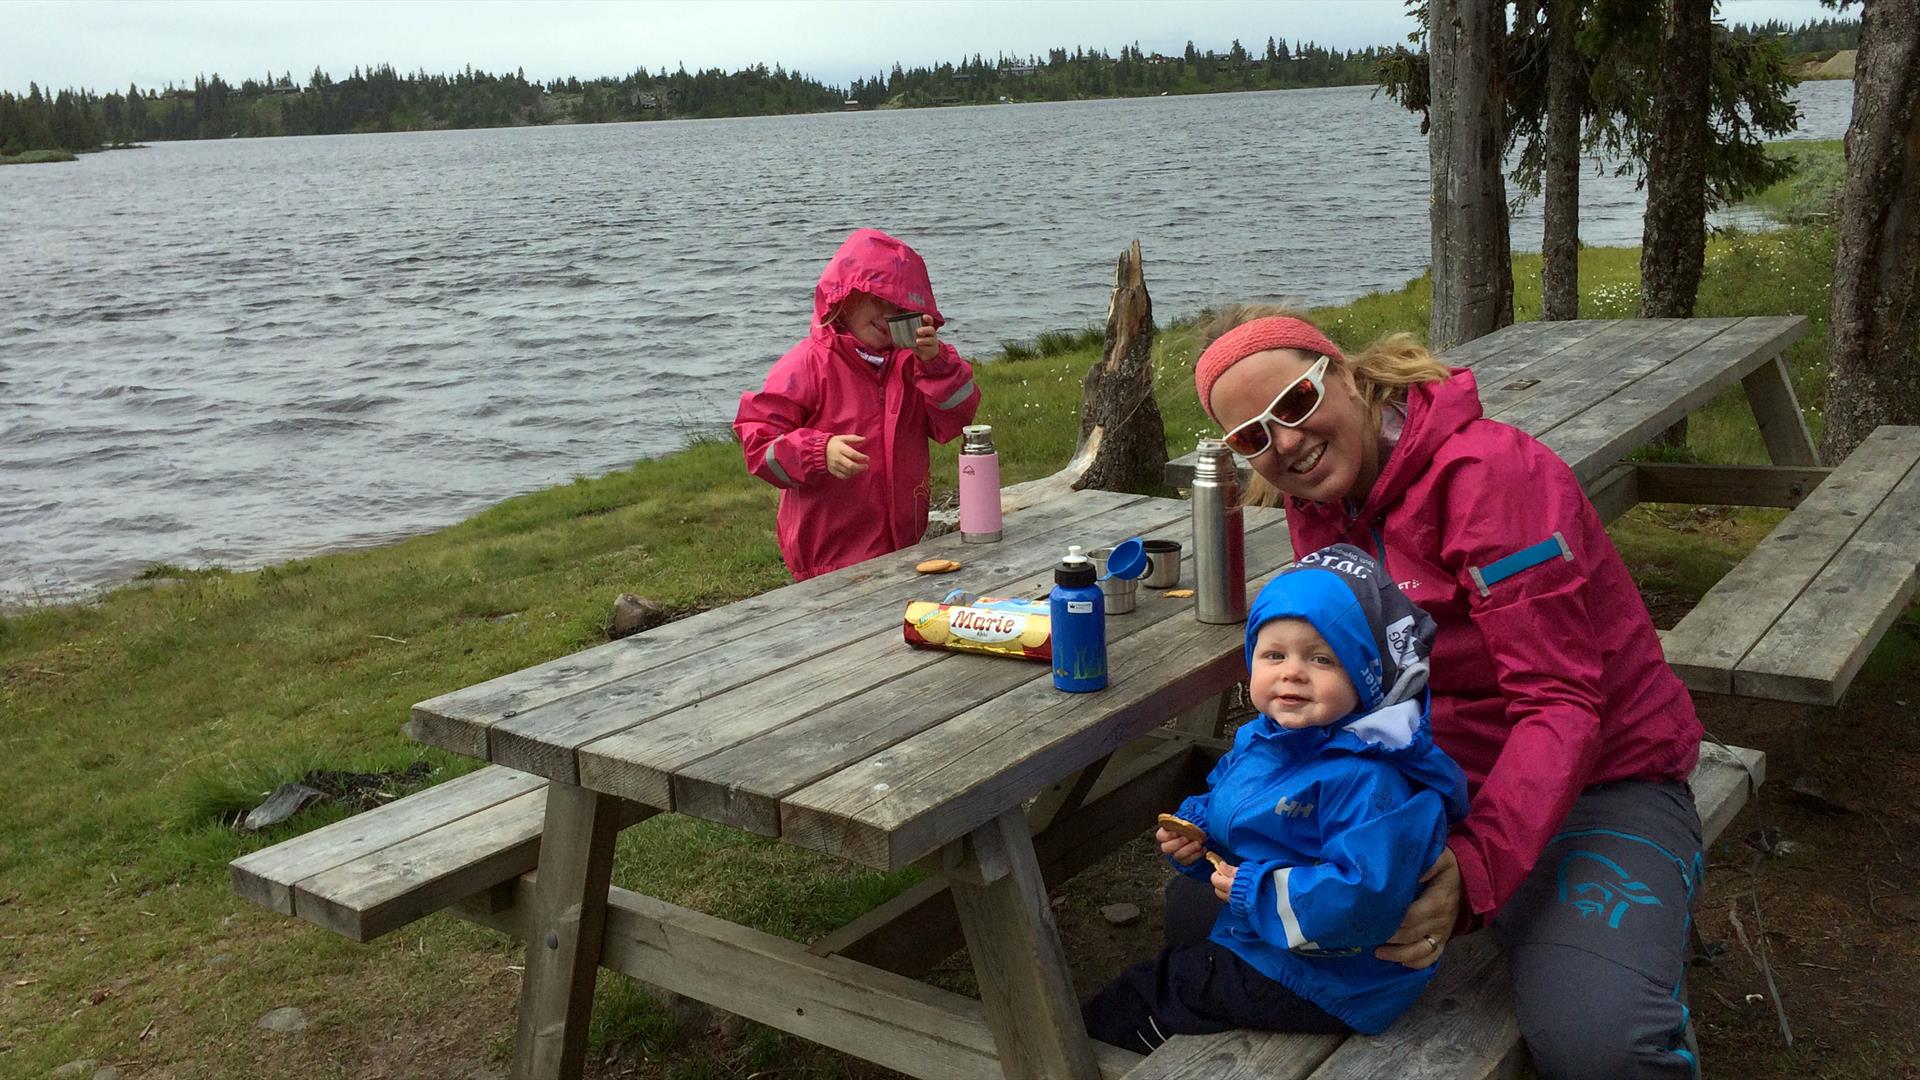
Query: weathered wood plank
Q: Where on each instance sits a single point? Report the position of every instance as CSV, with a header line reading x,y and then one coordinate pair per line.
x,y
1237,1055
888,1019
1559,381
1813,650
1462,1028
1727,485
1777,410
1615,492
566,926
397,884
1712,639
459,721
267,876
545,740
1024,987
742,785
891,808
1627,419
1637,351
1722,783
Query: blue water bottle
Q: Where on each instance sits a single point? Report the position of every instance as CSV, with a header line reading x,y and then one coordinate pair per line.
x,y
1079,617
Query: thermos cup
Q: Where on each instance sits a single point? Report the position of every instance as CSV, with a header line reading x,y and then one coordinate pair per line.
x,y
1219,537
979,486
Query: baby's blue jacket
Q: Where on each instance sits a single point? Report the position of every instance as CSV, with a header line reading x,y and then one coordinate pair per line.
x,y
1330,828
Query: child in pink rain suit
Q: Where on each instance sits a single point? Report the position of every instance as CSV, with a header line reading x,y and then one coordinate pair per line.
x,y
842,422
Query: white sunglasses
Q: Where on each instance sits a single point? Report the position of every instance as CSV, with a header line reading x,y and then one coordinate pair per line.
x,y
1290,408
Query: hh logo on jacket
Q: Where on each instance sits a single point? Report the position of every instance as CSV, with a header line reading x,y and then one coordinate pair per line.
x,y
1293,808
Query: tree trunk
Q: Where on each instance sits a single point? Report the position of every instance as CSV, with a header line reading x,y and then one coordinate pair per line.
x,y
1873,375
1673,243
1472,259
1560,247
1123,445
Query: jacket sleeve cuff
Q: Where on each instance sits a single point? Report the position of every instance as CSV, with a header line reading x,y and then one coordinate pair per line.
x,y
1476,885
942,363
813,451
1246,885
1194,808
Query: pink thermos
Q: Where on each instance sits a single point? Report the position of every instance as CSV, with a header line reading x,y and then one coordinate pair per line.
x,y
979,486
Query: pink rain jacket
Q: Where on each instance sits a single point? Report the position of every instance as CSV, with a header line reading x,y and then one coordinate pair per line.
x,y
822,388
1551,678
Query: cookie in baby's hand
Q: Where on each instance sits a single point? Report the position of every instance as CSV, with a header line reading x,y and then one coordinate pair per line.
x,y
1187,830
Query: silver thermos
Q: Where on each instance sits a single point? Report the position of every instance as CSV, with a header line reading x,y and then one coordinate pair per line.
x,y
1219,537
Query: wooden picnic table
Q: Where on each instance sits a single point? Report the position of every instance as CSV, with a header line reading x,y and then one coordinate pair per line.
x,y
801,714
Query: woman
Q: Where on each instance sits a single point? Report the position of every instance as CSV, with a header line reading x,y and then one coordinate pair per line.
x,y
1581,846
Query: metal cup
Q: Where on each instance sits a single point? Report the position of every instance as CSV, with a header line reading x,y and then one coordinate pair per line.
x,y
902,327
1120,592
1164,559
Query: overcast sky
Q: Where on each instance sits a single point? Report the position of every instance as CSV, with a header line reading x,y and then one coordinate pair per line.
x,y
105,44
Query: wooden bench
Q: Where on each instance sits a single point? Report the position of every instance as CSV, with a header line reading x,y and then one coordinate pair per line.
x,y
378,871
1796,618
1463,1027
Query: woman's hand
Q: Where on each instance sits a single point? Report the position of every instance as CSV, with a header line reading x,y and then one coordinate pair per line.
x,y
1179,848
843,460
1223,875
1430,918
926,340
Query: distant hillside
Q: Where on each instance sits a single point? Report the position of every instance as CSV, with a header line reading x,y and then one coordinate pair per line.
x,y
1837,66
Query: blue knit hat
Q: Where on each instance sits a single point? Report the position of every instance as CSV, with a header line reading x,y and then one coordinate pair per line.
x,y
1380,637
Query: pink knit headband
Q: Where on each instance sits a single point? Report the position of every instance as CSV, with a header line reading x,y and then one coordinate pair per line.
x,y
1275,332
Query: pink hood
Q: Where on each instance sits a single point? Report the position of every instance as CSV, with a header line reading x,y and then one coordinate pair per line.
x,y
1548,680
874,263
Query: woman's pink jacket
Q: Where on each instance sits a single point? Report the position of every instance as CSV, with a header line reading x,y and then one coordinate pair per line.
x,y
822,387
1544,682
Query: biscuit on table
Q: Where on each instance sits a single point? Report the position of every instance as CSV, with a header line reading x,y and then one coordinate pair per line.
x,y
938,566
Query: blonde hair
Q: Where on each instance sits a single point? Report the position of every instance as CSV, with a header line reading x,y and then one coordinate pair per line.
x,y
1381,372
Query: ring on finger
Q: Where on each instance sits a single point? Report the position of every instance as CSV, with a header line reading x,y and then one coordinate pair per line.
x,y
1432,945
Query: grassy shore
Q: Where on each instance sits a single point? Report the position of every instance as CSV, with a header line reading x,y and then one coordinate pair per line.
x,y
137,728
37,157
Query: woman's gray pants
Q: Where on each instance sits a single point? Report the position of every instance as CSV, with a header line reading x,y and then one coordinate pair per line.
x,y
1596,936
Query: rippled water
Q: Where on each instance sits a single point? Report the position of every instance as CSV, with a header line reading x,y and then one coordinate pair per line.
x,y
237,352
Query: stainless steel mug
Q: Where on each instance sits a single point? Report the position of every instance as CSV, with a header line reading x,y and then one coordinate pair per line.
x,y
902,327
1164,559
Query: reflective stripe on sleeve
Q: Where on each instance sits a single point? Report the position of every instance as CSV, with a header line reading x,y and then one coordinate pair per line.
x,y
774,466
1291,922
959,396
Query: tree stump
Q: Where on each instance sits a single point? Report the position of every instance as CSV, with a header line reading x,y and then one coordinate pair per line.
x,y
1123,443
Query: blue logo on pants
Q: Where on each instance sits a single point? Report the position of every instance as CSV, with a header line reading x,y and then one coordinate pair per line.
x,y
1603,889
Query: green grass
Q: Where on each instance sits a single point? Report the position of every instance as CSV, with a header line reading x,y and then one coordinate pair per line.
x,y
1813,190
134,730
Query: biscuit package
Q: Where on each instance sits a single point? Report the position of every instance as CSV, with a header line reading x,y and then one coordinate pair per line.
x,y
989,625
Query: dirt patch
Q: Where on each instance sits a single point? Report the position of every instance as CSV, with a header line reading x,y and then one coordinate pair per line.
x,y
364,791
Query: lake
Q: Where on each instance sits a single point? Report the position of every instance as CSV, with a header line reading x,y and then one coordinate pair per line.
x,y
231,353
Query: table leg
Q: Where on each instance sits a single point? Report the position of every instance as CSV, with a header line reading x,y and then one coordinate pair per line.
x,y
1782,427
1207,718
1017,957
564,933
